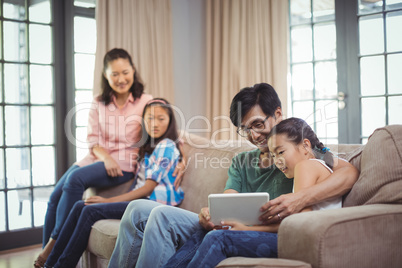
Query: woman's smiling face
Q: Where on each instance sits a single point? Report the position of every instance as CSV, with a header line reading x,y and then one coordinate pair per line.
x,y
120,76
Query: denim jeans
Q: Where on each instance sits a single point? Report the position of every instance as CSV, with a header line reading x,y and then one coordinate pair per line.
x,y
150,233
69,189
73,238
208,249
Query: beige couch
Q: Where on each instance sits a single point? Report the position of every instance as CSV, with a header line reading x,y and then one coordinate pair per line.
x,y
367,232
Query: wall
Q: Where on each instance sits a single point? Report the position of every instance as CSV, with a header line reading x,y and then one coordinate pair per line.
x,y
189,61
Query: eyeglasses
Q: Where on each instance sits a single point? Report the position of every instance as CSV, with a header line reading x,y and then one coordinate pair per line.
x,y
256,127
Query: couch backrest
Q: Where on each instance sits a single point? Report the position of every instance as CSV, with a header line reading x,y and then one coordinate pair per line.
x,y
380,165
379,161
207,168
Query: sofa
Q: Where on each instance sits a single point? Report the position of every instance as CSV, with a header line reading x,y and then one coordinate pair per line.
x,y
366,232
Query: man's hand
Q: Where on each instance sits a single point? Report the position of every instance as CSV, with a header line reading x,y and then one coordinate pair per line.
x,y
112,168
281,207
205,219
179,173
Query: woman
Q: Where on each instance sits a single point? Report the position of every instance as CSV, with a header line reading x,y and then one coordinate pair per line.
x,y
113,127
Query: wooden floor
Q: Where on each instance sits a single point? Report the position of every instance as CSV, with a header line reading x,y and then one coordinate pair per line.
x,y
19,258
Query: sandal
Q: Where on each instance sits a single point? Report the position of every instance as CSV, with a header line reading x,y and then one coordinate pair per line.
x,y
39,262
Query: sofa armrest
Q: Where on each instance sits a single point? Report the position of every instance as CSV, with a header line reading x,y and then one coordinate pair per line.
x,y
363,236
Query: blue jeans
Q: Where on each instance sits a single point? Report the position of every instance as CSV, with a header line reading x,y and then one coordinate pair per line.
x,y
69,189
73,238
150,233
208,249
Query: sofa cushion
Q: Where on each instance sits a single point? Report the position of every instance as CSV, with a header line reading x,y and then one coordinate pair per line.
x,y
103,238
207,168
260,263
380,179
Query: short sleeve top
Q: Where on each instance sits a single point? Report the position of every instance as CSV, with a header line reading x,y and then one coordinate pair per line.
x,y
116,130
245,176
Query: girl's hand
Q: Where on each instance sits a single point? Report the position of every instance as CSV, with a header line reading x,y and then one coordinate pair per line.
x,y
95,199
205,219
112,168
235,226
179,173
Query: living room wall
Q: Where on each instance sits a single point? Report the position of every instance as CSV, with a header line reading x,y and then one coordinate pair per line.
x,y
189,59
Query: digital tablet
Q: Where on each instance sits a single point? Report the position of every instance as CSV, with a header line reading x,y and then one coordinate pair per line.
x,y
241,207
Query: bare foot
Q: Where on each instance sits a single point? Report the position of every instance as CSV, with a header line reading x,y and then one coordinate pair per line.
x,y
40,261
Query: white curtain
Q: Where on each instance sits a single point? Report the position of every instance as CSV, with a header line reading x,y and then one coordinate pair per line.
x,y
246,44
144,29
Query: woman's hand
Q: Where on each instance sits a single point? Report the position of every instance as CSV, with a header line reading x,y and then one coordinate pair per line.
x,y
205,219
179,173
112,168
95,199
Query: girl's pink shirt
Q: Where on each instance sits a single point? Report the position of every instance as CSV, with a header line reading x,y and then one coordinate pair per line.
x,y
116,130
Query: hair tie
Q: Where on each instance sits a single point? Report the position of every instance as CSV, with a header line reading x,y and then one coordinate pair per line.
x,y
156,101
325,149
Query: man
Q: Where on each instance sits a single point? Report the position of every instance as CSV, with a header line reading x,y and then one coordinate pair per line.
x,y
151,233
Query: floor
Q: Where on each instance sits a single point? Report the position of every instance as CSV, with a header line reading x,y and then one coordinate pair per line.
x,y
19,258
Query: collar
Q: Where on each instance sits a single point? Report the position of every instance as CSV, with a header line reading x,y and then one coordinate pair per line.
x,y
129,99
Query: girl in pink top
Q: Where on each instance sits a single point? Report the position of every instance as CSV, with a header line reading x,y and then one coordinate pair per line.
x,y
114,128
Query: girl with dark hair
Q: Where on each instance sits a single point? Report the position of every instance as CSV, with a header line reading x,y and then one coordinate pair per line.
x,y
158,157
293,145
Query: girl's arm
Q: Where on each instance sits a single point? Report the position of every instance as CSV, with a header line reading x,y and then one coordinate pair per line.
x,y
338,183
180,168
156,169
141,192
307,173
236,226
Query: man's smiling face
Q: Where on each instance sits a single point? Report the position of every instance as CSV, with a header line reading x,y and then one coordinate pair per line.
x,y
256,116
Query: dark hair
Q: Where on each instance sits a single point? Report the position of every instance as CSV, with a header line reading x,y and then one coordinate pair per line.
x,y
171,132
262,94
107,92
297,130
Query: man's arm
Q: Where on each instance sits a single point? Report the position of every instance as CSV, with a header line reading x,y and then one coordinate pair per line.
x,y
337,184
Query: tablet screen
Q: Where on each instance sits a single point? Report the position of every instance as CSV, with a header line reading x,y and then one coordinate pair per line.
x,y
241,207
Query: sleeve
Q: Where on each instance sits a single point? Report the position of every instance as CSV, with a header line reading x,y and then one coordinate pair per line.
x,y
234,181
162,160
93,129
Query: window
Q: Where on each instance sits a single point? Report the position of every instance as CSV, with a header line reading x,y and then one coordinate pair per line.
x,y
27,113
39,52
313,66
380,58
345,68
84,63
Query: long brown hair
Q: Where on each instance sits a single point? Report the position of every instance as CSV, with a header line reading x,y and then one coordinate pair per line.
x,y
107,92
171,132
296,130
